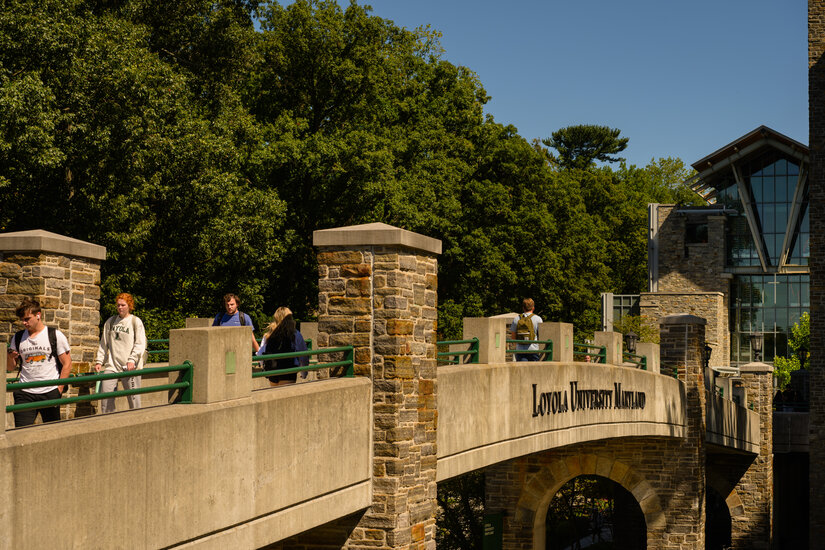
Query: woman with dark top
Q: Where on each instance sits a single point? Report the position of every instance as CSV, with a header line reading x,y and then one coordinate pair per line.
x,y
285,338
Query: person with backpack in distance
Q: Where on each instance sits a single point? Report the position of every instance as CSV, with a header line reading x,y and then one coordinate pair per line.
x,y
44,355
122,348
233,317
283,337
526,327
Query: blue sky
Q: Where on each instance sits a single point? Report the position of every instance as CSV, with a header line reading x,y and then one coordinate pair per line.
x,y
679,79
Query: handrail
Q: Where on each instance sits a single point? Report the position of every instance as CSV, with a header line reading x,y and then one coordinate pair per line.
x,y
546,351
453,356
185,385
639,360
600,355
348,362
157,351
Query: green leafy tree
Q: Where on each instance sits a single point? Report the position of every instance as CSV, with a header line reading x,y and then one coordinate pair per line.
x,y
800,343
645,328
579,147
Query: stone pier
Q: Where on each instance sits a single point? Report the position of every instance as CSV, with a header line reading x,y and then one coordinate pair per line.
x,y
63,274
377,292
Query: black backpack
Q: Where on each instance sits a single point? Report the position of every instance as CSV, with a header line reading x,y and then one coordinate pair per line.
x,y
18,337
279,347
241,318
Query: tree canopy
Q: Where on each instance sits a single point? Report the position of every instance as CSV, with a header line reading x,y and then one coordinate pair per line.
x,y
582,145
203,152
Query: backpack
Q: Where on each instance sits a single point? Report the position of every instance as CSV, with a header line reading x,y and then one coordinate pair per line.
x,y
241,319
279,347
18,337
525,329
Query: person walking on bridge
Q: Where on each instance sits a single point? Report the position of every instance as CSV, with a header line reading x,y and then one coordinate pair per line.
x,y
44,355
526,327
122,346
234,317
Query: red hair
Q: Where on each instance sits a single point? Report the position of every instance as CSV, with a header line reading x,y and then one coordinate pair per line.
x,y
126,297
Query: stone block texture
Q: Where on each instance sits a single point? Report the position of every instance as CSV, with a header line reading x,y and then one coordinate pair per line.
x,y
382,300
68,289
691,277
816,179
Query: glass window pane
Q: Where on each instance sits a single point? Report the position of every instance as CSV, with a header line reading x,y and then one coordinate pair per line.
x,y
781,167
793,168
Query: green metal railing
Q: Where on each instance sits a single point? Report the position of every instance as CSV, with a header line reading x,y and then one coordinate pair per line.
x,y
155,354
546,352
639,360
348,362
598,354
184,384
458,357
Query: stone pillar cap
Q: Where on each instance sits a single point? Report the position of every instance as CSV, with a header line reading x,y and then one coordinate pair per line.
x,y
682,319
755,368
375,234
38,240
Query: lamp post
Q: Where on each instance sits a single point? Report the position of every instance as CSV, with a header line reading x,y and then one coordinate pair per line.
x,y
707,350
630,340
757,339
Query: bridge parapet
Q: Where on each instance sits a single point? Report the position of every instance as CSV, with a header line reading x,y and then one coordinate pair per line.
x,y
242,469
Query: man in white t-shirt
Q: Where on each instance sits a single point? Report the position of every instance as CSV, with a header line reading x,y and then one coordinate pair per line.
x,y
39,362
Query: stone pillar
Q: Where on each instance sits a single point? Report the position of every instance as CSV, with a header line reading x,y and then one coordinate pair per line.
x,y
816,182
221,357
492,334
377,292
612,341
61,273
755,528
199,322
561,334
682,339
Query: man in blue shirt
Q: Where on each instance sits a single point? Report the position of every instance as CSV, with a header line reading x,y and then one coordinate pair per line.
x,y
234,317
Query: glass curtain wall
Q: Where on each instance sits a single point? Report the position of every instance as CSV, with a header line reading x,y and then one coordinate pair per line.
x,y
765,302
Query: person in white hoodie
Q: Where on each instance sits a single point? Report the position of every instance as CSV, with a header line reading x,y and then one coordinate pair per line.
x,y
121,348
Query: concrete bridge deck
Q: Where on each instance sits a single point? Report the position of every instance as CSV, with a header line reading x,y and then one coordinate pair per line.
x,y
251,471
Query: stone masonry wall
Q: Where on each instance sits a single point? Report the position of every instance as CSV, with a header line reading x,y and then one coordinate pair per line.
x,y
753,530
711,306
816,179
695,267
68,289
383,301
658,473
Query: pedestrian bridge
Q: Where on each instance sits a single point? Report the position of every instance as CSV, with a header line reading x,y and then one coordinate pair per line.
x,y
268,464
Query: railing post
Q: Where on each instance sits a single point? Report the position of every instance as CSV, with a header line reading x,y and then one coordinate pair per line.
x,y
492,337
561,334
221,359
612,341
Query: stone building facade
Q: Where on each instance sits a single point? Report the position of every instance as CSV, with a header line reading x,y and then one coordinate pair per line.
x,y
63,274
816,112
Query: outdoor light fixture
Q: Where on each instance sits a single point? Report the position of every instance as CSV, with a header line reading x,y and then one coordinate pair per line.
x,y
756,345
803,354
630,340
706,351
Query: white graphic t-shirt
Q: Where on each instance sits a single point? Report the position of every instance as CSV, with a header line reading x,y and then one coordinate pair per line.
x,y
38,363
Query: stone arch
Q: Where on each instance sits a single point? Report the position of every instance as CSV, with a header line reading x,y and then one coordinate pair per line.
x,y
540,489
728,492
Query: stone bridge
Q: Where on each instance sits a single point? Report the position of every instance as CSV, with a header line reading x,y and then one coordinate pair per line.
x,y
355,462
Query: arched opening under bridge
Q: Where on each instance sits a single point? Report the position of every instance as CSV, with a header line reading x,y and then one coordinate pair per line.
x,y
591,511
